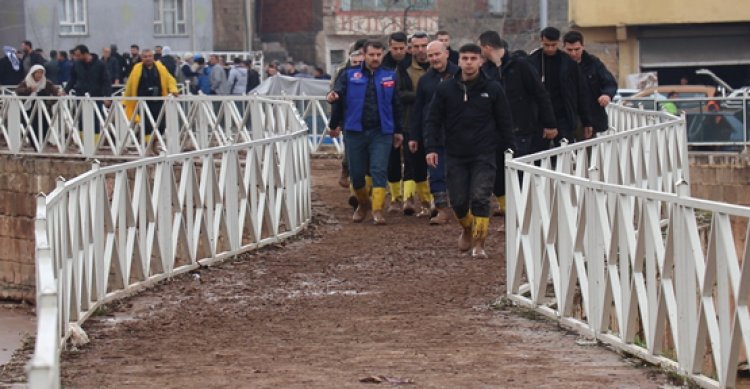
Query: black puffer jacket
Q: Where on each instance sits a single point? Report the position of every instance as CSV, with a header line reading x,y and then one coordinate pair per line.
x,y
574,89
468,119
425,91
92,78
529,101
600,82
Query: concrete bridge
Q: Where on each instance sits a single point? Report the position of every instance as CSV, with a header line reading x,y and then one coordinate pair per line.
x,y
602,237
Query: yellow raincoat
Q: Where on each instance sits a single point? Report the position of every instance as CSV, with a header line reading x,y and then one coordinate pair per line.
x,y
168,85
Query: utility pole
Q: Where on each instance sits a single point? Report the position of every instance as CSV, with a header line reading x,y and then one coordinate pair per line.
x,y
542,14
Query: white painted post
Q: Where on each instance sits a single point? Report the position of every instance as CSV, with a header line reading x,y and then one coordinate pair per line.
x,y
172,132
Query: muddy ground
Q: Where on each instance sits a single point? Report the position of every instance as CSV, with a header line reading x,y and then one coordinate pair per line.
x,y
346,305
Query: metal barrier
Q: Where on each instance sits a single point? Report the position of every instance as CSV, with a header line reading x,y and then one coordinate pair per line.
x,y
316,112
603,236
84,126
116,229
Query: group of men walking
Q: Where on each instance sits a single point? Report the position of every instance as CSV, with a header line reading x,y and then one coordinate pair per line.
x,y
418,123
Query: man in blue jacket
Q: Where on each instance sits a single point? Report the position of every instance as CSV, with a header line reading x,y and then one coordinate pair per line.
x,y
470,117
372,121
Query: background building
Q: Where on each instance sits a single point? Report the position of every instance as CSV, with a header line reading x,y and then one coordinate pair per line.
x,y
671,37
184,25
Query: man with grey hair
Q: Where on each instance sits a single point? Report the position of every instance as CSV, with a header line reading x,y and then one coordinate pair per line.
x,y
441,69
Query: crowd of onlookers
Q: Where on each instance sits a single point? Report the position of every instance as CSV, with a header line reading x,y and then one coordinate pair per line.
x,y
301,70
208,75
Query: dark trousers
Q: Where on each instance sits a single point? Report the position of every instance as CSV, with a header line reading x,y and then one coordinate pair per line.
x,y
416,168
470,183
155,108
394,165
525,145
438,186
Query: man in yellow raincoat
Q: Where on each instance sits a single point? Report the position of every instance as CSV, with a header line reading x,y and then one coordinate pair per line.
x,y
148,78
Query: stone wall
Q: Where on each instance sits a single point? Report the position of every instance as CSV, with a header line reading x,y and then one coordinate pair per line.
x,y
723,177
21,179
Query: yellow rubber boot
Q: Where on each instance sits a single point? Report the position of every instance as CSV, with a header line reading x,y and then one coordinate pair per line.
x,y
378,202
410,188
500,206
395,189
464,240
425,196
479,230
368,184
363,206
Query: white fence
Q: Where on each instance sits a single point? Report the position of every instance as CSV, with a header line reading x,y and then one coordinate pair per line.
x,y
118,228
84,126
603,236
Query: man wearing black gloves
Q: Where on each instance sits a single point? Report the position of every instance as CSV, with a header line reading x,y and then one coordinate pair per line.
x,y
470,117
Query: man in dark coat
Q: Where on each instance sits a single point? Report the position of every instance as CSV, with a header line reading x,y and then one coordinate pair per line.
x,y
533,117
602,85
565,83
470,117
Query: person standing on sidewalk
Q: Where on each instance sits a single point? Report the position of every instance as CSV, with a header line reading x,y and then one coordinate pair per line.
x,y
602,86
372,121
533,117
441,69
470,117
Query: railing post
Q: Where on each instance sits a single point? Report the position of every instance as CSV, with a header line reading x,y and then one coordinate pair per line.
x,y
89,123
511,256
172,132
15,125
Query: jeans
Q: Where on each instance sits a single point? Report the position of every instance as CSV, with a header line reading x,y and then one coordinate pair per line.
x,y
368,149
470,183
437,178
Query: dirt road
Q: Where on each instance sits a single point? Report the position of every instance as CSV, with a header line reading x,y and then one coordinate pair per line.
x,y
344,304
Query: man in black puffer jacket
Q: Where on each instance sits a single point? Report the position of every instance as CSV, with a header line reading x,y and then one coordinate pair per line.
x,y
566,86
470,117
602,84
533,117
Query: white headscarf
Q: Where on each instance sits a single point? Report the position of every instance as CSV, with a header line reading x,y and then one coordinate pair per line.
x,y
10,52
34,85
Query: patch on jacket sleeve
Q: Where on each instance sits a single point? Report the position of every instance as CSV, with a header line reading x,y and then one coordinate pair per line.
x,y
389,83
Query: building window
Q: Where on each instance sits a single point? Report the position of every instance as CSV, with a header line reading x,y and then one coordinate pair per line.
x,y
337,57
169,17
387,5
73,17
498,7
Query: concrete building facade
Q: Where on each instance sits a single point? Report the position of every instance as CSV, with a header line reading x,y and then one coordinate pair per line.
x,y
184,25
670,37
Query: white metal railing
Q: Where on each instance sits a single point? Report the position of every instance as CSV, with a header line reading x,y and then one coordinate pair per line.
x,y
67,126
118,228
316,112
603,236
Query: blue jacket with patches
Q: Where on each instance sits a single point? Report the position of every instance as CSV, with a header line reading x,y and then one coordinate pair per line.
x,y
352,87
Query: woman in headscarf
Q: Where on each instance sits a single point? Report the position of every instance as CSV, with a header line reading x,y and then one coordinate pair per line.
x,y
37,85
